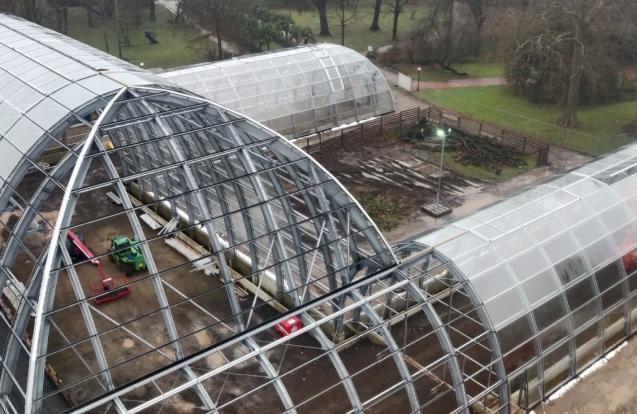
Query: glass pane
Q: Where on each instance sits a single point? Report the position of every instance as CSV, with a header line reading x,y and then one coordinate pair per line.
x,y
571,268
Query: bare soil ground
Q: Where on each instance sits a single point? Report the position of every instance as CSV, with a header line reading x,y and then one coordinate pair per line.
x,y
393,171
609,390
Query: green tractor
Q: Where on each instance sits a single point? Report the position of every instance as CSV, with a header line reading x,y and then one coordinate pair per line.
x,y
127,254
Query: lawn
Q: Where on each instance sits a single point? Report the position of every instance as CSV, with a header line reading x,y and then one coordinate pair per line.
x,y
475,171
384,210
357,33
177,46
600,130
435,73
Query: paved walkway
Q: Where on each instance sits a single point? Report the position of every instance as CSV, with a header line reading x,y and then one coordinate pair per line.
x,y
228,47
461,83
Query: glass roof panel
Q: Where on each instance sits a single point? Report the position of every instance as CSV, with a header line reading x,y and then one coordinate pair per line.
x,y
328,76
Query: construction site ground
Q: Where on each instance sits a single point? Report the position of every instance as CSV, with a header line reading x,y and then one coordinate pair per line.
x,y
401,173
135,341
608,390
378,166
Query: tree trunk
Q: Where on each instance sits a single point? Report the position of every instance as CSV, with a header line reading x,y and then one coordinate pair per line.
x,y
569,118
321,6
394,29
343,23
180,9
89,13
102,11
375,27
449,31
119,30
65,20
58,19
153,17
219,43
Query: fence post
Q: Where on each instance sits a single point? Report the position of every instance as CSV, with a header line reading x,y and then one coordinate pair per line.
x,y
400,123
458,121
524,145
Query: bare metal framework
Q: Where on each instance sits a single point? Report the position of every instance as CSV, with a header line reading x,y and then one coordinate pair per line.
x,y
497,309
274,236
295,91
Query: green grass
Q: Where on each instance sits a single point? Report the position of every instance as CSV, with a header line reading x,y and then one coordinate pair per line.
x,y
435,73
478,172
357,33
385,211
176,47
600,130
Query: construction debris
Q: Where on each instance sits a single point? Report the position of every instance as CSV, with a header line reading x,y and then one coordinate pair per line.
x,y
484,152
114,198
206,264
170,227
151,222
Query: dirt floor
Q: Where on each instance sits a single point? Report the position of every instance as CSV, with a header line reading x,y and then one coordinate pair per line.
x,y
134,338
395,172
609,390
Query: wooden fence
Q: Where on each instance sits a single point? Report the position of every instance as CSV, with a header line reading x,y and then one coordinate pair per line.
x,y
396,122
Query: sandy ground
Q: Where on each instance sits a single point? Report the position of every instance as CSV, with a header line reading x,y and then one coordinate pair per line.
x,y
609,390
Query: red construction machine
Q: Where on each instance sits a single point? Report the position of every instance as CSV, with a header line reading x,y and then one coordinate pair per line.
x,y
108,289
288,326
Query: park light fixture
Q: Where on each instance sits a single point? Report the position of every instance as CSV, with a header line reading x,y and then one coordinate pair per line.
x,y
436,209
442,133
418,83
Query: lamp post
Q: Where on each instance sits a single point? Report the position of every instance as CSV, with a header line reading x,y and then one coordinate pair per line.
x,y
418,85
442,134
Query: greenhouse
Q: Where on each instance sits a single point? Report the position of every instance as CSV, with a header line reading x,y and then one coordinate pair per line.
x,y
162,252
296,91
556,269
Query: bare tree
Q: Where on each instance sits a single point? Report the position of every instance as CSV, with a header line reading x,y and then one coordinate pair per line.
x,y
221,17
376,17
321,6
396,7
442,39
179,12
569,52
30,10
61,8
479,10
346,11
151,8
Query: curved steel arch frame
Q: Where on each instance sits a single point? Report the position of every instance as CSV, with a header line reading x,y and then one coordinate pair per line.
x,y
554,267
295,91
44,280
503,389
405,283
